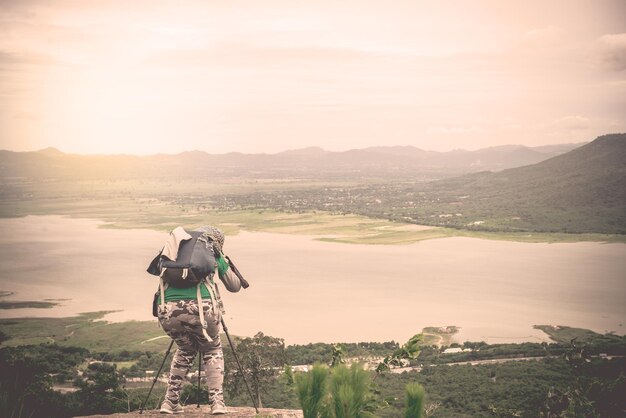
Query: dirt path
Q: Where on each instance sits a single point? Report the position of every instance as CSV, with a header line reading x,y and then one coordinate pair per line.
x,y
472,363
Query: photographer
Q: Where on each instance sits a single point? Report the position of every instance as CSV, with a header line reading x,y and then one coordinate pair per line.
x,y
181,321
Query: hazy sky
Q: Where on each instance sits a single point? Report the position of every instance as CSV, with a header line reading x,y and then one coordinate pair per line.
x,y
151,76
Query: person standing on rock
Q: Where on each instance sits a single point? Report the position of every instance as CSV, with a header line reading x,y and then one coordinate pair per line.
x,y
180,319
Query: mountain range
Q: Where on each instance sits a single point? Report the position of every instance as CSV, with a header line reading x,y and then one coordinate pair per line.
x,y
559,188
580,191
313,162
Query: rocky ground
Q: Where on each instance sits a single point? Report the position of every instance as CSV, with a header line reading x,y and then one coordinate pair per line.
x,y
203,411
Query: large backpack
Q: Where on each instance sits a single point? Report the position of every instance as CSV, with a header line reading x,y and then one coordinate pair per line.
x,y
194,263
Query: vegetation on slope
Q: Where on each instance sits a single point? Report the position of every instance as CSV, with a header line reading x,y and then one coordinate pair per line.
x,y
576,192
574,383
497,387
580,191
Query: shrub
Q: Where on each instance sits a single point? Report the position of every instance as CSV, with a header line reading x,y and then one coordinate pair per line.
x,y
312,391
350,391
414,401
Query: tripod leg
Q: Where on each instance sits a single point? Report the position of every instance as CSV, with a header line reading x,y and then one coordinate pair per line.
x,y
167,353
232,347
199,371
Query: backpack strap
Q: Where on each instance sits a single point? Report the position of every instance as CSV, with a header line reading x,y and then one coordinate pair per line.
x,y
218,298
201,313
162,290
215,295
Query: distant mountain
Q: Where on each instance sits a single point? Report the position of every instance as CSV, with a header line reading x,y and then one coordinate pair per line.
x,y
403,151
580,191
557,148
310,152
556,188
51,152
313,162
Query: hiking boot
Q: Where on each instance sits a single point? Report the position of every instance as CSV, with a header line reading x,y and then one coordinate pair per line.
x,y
168,407
218,408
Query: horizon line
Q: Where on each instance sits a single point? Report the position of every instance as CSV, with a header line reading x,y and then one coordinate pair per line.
x,y
312,147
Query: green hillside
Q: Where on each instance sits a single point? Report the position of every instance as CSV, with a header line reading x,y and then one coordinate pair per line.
x,y
580,191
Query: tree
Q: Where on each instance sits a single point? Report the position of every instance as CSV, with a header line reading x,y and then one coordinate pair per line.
x,y
288,375
410,350
337,355
3,337
26,387
596,391
100,391
261,357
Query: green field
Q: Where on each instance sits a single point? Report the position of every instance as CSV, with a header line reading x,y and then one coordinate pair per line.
x,y
26,304
122,364
564,334
90,331
439,336
86,330
164,215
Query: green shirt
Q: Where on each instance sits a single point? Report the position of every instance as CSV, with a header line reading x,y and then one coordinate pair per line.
x,y
173,294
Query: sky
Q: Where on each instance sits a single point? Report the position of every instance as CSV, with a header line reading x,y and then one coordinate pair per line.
x,y
151,76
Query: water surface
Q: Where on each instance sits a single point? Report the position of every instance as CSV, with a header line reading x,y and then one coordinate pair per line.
x,y
305,290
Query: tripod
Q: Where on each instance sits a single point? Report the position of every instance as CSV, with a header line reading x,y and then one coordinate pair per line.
x,y
243,375
232,347
167,353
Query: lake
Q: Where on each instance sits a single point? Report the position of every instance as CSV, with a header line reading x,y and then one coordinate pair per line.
x,y
305,290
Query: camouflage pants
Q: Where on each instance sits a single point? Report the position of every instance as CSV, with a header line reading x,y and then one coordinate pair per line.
x,y
181,322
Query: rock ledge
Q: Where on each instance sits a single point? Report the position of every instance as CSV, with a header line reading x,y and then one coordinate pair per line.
x,y
204,411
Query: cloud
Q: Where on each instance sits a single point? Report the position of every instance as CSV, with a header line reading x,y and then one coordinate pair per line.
x,y
253,55
573,123
25,115
454,130
549,34
9,59
613,49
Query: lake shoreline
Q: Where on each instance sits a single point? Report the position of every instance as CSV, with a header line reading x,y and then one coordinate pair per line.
x,y
492,290
357,229
434,335
144,332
